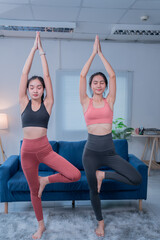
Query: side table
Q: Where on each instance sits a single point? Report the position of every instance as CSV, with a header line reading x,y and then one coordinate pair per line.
x,y
154,140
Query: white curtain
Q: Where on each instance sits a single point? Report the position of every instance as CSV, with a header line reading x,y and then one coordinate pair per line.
x,y
69,119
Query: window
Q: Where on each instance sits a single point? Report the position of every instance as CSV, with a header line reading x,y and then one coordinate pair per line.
x,y
69,119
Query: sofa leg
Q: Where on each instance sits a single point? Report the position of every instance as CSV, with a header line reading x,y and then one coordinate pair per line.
x,y
6,207
73,203
140,204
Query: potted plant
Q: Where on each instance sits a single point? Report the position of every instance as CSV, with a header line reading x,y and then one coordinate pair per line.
x,y
121,131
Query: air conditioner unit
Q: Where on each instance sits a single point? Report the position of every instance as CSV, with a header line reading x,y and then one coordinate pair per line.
x,y
44,26
139,30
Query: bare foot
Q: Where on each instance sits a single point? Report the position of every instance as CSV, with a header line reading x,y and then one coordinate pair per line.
x,y
41,229
43,182
100,176
100,229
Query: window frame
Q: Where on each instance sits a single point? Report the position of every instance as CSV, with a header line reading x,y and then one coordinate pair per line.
x,y
63,134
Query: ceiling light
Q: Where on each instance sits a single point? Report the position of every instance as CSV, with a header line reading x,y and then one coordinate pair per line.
x,y
148,30
45,26
136,32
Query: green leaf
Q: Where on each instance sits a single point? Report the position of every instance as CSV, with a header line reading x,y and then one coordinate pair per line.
x,y
120,129
128,130
120,119
116,135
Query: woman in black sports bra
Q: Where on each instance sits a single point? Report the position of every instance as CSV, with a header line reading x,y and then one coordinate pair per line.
x,y
36,149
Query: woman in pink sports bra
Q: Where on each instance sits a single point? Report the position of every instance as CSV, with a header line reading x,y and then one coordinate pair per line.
x,y
99,149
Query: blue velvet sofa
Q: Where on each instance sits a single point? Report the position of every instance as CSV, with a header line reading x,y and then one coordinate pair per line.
x,y
14,187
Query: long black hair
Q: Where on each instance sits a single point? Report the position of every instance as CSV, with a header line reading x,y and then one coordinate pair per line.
x,y
40,79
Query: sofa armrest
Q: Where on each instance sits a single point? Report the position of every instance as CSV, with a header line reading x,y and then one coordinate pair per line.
x,y
7,170
137,163
143,170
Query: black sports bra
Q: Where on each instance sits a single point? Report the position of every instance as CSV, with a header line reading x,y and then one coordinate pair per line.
x,y
37,118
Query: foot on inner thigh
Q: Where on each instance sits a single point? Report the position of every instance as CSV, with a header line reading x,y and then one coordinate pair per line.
x,y
100,176
43,181
41,229
100,229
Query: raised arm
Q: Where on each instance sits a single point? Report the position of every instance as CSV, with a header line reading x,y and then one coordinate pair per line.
x,y
24,77
49,99
83,82
112,77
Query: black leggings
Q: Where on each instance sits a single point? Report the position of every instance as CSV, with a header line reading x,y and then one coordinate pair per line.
x,y
100,151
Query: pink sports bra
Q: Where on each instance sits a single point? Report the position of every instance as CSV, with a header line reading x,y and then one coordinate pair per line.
x,y
98,115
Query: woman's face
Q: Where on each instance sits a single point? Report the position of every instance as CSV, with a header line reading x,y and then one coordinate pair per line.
x,y
35,89
98,85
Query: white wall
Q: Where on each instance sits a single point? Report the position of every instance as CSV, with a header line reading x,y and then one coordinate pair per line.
x,y
142,59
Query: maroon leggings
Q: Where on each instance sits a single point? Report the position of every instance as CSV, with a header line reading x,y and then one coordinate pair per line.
x,y
36,151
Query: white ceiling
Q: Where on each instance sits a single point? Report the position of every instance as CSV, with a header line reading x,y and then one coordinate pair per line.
x,y
90,16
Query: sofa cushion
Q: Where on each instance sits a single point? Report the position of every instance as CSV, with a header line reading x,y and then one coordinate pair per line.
x,y
80,185
42,166
109,185
72,151
121,147
18,183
